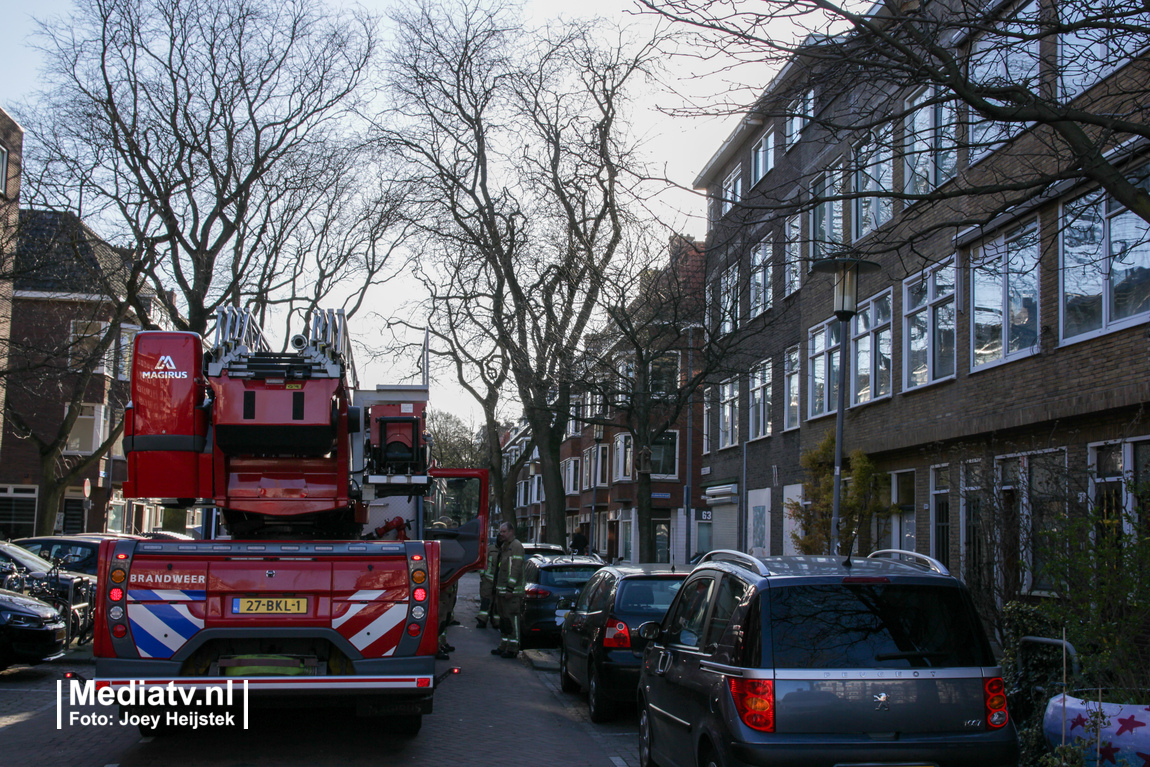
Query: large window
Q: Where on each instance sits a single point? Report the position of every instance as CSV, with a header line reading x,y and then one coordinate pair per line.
x,y
86,338
761,277
729,291
823,368
1001,60
801,110
708,407
665,456
871,349
792,255
729,412
1032,490
1005,296
1100,44
88,432
928,305
664,375
571,476
124,357
760,410
791,382
931,147
762,156
624,457
1105,264
732,189
827,216
940,514
874,176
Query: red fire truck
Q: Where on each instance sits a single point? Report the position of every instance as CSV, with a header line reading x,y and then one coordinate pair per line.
x,y
297,462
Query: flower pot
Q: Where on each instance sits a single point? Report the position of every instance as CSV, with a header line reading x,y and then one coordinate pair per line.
x,y
1126,734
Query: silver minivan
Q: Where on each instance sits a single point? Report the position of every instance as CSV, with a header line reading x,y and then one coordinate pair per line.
x,y
822,662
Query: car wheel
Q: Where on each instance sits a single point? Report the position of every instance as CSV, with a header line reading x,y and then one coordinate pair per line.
x,y
645,758
598,706
566,682
708,757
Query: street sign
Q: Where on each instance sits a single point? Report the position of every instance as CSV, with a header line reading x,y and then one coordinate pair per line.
x,y
87,488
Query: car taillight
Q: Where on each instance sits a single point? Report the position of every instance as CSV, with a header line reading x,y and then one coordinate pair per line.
x,y
119,631
116,594
413,629
617,636
996,716
755,702
536,592
419,594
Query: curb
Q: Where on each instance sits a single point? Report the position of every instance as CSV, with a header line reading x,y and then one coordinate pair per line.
x,y
542,660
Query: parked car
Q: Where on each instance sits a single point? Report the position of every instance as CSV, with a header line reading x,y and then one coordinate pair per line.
x,y
542,550
814,661
600,649
31,631
79,551
546,581
64,584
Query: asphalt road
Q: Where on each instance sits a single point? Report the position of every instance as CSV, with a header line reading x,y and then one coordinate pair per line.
x,y
496,712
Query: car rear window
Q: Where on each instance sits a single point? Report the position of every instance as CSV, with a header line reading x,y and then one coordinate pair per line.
x,y
646,595
875,626
574,575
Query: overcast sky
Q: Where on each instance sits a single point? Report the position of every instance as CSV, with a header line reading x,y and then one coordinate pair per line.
x,y
683,144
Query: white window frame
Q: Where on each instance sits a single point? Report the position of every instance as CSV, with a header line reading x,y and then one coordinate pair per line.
x,y
760,401
1103,261
874,172
1083,62
933,144
792,390
822,350
732,189
998,258
871,336
1002,53
827,219
936,298
792,254
799,117
1025,511
124,353
935,493
763,156
729,412
624,458
3,170
708,407
588,475
95,424
729,292
1130,479
761,298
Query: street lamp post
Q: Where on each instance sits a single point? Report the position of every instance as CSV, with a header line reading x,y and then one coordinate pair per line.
x,y
846,275
598,472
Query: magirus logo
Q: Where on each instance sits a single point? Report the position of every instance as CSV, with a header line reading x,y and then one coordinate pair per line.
x,y
165,368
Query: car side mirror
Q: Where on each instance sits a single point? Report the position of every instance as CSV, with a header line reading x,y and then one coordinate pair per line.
x,y
566,603
650,630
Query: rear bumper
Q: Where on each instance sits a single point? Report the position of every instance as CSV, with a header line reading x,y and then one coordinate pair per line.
x,y
619,675
983,750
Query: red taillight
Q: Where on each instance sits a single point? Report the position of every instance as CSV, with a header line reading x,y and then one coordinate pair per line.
x,y
423,681
413,629
617,636
416,557
536,592
755,702
116,594
419,594
996,715
119,631
121,556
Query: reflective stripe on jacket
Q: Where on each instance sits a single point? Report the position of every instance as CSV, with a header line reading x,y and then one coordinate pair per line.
x,y
510,577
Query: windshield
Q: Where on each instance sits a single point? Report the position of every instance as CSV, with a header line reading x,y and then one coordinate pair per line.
x,y
647,595
875,626
24,558
573,576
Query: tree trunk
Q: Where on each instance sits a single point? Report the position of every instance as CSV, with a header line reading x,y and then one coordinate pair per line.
x,y
643,509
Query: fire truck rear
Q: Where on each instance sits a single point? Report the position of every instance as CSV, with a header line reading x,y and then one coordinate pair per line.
x,y
295,461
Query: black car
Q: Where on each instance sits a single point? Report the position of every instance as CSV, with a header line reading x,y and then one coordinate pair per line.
x,y
66,584
78,552
547,580
820,661
31,631
600,649
542,550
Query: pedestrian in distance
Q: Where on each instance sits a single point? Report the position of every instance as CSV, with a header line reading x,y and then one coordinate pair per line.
x,y
509,588
578,543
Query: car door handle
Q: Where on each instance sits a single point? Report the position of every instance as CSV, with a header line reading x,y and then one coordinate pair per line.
x,y
663,662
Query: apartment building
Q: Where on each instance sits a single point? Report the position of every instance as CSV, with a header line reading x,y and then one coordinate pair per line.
x,y
997,366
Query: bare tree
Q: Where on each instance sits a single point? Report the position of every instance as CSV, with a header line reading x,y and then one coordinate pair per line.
x,y
516,141
1060,89
214,136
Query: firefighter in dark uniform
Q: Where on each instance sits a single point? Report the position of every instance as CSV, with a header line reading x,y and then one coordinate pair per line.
x,y
487,588
509,588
